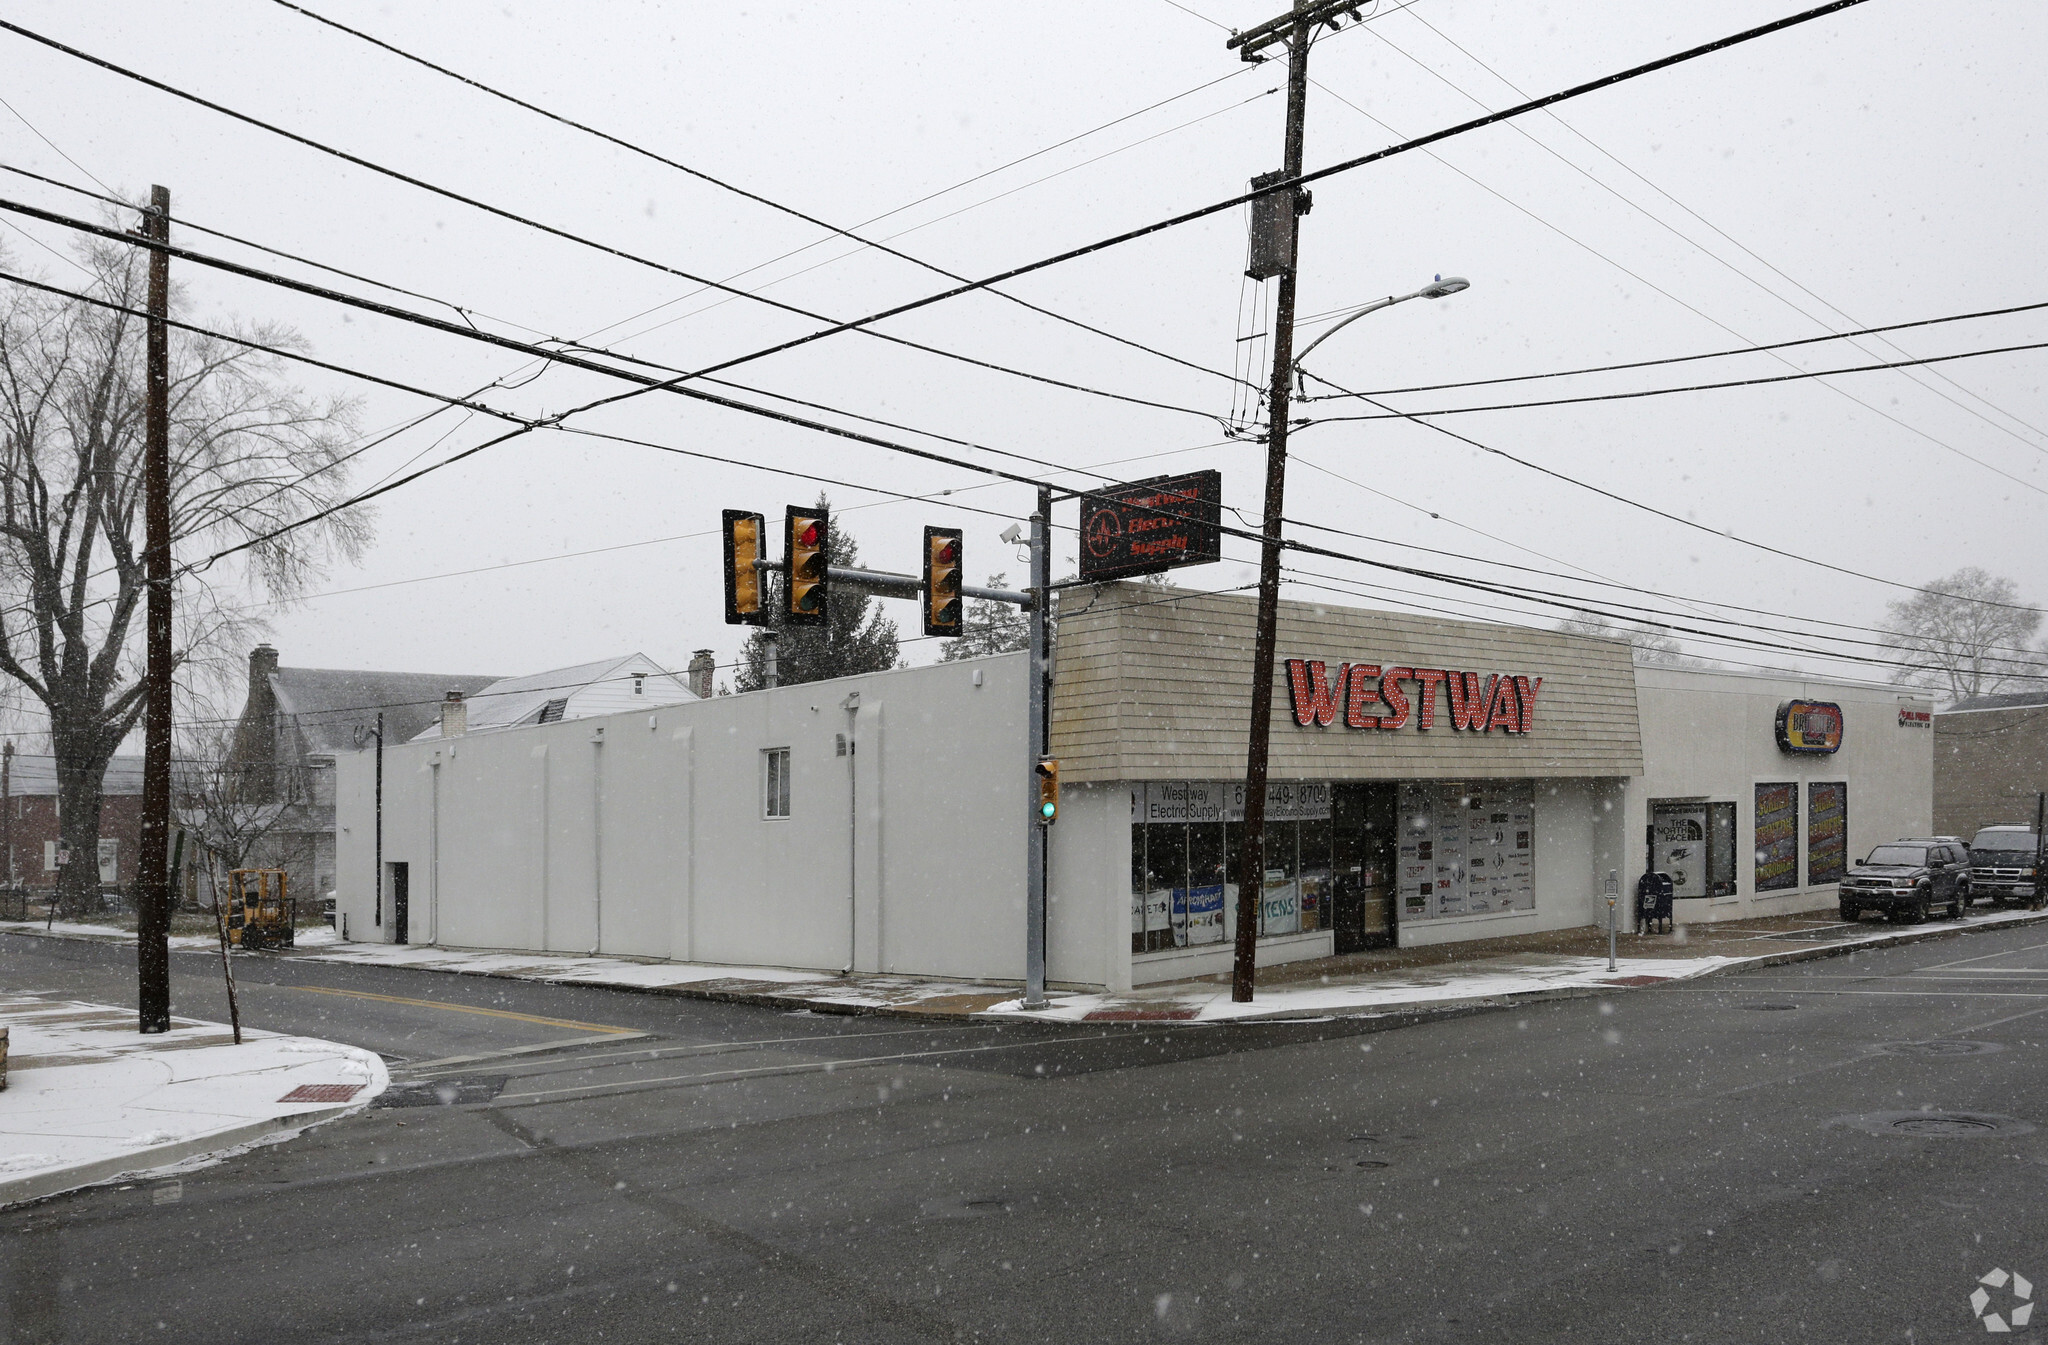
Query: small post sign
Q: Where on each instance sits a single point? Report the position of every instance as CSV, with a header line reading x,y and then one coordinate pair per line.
x,y
1152,525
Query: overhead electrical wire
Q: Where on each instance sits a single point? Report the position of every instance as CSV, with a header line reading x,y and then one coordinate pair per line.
x,y
723,185
1637,393
470,333
1729,353
1289,184
605,248
1736,242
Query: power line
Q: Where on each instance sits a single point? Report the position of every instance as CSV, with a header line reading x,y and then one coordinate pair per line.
x,y
1704,355
723,185
1704,387
1669,517
579,239
1288,185
1737,243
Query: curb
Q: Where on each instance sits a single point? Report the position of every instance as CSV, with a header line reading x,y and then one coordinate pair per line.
x,y
43,1185
1415,1010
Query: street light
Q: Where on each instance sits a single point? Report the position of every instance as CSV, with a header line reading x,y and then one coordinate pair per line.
x,y
1439,288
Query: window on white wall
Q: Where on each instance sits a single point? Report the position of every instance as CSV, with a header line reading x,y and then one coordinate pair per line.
x,y
775,780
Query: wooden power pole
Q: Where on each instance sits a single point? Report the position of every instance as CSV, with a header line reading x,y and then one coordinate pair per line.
x,y
152,877
1275,217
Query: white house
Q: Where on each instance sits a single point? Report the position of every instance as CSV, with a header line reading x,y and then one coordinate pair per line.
x,y
607,687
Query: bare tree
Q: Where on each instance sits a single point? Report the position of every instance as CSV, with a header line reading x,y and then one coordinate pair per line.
x,y
1651,645
232,807
249,452
1970,631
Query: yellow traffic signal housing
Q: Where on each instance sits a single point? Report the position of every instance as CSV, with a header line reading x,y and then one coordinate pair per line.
x,y
1048,791
743,533
806,559
942,581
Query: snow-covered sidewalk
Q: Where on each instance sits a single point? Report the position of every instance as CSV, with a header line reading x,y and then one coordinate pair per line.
x,y
89,1098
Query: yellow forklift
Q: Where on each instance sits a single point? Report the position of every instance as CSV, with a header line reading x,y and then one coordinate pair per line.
x,y
259,911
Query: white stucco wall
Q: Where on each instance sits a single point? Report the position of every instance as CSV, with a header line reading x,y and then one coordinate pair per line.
x,y
642,833
1710,736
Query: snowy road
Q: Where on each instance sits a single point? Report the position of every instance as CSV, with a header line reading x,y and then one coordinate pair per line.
x,y
1837,1150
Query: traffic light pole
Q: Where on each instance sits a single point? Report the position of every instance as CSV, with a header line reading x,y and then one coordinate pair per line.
x,y
1251,867
1036,827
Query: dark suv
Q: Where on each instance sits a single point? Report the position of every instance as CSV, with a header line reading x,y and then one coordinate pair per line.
x,y
1905,879
2002,862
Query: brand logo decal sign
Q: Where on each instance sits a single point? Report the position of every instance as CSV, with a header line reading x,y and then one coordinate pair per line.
x,y
1810,728
1368,696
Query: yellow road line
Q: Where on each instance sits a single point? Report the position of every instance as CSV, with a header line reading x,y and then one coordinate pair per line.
x,y
462,1008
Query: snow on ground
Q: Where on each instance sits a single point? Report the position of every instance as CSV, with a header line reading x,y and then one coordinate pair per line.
x,y
618,971
89,1097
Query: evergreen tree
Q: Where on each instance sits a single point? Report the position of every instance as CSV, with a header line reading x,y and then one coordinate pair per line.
x,y
989,628
854,638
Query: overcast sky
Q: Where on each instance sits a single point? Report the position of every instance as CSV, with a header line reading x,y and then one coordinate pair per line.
x,y
1880,165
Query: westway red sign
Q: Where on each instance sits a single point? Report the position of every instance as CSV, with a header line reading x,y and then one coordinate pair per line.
x,y
1367,696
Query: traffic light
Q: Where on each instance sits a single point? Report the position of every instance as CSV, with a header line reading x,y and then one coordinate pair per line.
x,y
942,581
742,577
1048,791
806,556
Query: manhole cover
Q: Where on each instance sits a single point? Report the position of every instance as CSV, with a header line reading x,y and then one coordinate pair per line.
x,y
1770,1008
1941,1050
1935,1124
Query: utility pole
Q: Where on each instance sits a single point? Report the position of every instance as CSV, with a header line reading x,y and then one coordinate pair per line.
x,y
1036,730
1292,29
152,878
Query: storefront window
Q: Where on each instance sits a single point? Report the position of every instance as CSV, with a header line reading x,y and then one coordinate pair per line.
x,y
1681,846
1166,880
1777,837
1205,884
1467,849
1827,833
1721,849
1280,912
1184,862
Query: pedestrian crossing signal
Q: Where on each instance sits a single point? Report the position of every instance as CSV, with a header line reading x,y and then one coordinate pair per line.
x,y
1048,791
806,551
743,532
942,581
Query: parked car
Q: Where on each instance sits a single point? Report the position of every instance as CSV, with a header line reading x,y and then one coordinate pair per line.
x,y
1907,879
2002,864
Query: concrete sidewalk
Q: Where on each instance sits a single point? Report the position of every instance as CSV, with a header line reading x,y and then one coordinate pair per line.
x,y
90,1098
1404,981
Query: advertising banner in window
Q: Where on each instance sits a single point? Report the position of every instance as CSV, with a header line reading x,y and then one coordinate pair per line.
x,y
1681,836
1466,849
1827,833
1777,837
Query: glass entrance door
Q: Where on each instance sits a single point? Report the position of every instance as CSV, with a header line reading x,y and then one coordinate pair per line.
x,y
1362,864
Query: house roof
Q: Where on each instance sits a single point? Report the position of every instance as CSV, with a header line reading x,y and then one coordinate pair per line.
x,y
2016,700
37,775
328,704
511,701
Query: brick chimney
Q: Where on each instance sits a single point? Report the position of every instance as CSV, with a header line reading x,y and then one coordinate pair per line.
x,y
454,715
702,666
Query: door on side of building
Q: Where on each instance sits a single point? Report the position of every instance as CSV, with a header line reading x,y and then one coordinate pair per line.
x,y
1362,860
401,901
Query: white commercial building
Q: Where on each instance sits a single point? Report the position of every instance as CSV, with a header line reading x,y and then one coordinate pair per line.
x,y
1432,780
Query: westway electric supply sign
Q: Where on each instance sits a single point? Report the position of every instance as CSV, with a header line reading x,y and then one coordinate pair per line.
x,y
1368,696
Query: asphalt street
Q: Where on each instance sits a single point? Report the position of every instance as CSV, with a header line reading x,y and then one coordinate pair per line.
x,y
1836,1150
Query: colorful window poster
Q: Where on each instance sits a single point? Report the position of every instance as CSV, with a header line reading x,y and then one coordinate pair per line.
x,y
1205,914
1827,833
1467,849
1777,837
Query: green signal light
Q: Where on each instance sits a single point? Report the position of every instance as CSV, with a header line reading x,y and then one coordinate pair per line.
x,y
1047,809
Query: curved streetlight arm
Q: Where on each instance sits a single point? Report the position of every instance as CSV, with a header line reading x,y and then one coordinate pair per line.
x,y
1373,307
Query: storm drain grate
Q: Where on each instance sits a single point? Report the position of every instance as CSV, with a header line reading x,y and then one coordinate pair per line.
x,y
322,1092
